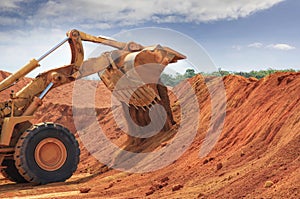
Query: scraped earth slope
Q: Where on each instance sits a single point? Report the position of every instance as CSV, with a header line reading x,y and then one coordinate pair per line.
x,y
260,142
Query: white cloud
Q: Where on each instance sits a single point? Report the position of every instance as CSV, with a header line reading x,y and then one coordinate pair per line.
x,y
118,13
7,21
255,45
237,47
281,47
278,46
9,4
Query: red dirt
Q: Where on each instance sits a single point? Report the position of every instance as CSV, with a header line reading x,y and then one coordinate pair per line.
x,y
6,93
260,142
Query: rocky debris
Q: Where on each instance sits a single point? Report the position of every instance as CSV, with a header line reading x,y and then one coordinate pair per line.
x,y
177,187
150,192
208,160
84,189
164,144
205,161
165,179
242,154
219,166
268,184
200,196
109,186
158,185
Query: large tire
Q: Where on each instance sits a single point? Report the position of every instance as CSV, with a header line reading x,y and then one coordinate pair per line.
x,y
11,172
47,153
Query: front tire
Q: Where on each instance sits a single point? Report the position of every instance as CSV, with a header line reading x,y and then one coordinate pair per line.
x,y
11,172
47,153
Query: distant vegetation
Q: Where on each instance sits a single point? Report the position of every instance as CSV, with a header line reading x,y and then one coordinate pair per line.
x,y
172,80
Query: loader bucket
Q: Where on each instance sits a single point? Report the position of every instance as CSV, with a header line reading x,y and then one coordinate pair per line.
x,y
132,82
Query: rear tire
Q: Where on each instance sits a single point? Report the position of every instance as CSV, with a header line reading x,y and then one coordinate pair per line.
x,y
47,153
11,172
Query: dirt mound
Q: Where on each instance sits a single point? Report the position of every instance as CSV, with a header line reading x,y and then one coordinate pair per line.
x,y
259,140
257,154
5,94
4,74
64,94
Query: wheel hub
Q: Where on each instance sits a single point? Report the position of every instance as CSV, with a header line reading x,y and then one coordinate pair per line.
x,y
50,154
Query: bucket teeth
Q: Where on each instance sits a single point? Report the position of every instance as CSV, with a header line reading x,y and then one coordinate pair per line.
x,y
155,101
158,97
143,108
135,106
143,97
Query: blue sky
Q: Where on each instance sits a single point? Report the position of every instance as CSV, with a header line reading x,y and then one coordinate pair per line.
x,y
239,35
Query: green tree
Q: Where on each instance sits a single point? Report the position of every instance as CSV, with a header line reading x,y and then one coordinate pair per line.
x,y
189,73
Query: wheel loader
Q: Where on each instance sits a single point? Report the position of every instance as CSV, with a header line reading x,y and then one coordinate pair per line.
x,y
48,152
